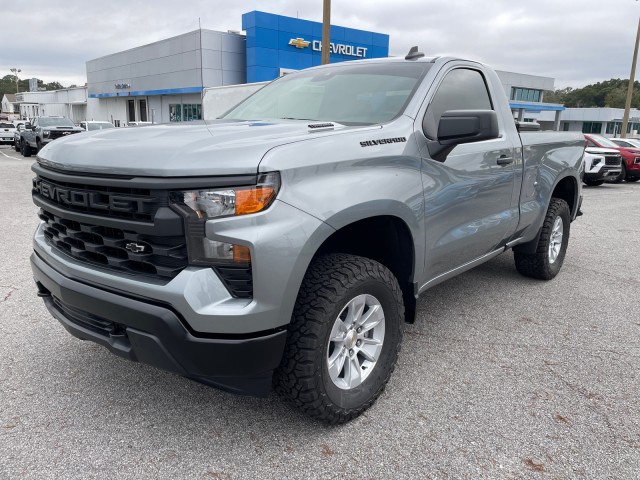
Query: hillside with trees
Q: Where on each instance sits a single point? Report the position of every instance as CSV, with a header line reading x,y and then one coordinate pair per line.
x,y
610,93
8,85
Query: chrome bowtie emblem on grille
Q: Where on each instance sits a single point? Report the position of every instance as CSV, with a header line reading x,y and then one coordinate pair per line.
x,y
135,247
66,133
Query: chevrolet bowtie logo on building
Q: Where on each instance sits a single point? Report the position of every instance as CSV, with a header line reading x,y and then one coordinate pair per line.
x,y
299,42
339,48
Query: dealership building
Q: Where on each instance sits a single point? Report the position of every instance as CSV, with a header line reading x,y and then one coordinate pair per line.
x,y
166,81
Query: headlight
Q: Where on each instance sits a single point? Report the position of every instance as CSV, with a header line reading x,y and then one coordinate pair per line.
x,y
45,133
198,206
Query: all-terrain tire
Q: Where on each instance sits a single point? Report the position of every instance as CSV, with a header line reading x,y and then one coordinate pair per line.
x,y
25,149
16,146
539,264
632,179
303,379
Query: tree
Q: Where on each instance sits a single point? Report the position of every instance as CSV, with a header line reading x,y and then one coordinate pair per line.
x,y
609,93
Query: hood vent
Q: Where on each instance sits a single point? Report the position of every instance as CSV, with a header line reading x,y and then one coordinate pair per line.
x,y
314,127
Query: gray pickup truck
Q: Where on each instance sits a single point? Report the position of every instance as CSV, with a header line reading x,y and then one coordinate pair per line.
x,y
286,243
42,130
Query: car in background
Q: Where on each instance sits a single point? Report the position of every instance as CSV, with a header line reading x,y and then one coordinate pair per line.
x,y
95,125
626,142
630,157
6,132
601,165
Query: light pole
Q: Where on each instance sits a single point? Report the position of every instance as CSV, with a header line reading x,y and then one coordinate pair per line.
x,y
627,106
326,31
15,72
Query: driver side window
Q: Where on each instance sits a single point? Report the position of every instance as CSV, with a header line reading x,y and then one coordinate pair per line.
x,y
461,89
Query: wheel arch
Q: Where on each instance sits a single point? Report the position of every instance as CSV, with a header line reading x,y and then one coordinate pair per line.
x,y
387,239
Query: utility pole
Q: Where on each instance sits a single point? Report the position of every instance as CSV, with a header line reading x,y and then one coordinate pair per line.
x,y
15,72
326,31
627,106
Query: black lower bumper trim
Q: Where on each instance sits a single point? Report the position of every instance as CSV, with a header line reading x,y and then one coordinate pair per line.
x,y
151,334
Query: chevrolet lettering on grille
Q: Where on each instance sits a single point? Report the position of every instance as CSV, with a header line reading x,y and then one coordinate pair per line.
x,y
88,199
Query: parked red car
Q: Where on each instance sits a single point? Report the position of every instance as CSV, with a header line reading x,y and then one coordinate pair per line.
x,y
630,157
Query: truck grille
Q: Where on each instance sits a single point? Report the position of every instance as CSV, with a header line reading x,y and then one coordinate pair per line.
x,y
53,134
122,227
613,160
122,250
118,202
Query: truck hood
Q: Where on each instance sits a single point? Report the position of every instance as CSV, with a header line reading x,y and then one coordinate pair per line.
x,y
602,151
218,147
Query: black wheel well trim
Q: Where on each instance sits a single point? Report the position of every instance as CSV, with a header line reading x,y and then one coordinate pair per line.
x,y
344,240
532,245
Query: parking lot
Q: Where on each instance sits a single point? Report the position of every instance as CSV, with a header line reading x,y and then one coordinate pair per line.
x,y
500,377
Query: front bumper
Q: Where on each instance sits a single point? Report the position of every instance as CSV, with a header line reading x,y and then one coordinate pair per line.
x,y
153,333
603,173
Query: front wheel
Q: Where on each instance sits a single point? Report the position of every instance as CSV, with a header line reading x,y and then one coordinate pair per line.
x,y
25,149
547,260
343,339
632,179
16,146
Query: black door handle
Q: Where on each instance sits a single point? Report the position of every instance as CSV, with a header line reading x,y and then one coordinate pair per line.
x,y
504,160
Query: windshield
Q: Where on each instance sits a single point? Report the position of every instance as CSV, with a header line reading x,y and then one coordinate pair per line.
x,y
351,95
627,142
98,126
605,142
55,122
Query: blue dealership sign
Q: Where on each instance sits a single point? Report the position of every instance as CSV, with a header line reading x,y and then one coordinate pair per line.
x,y
277,42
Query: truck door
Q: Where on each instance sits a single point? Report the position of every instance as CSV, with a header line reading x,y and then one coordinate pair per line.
x,y
469,210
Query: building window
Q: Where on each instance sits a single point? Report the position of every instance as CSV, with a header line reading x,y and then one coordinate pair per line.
x,y
142,106
525,94
565,126
131,110
185,112
591,127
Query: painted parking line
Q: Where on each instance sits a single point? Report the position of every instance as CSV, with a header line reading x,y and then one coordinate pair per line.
x,y
9,156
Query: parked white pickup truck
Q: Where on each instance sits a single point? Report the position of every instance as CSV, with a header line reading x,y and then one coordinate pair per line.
x,y
6,132
600,165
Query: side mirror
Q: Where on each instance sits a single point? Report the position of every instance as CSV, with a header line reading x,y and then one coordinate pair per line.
x,y
462,126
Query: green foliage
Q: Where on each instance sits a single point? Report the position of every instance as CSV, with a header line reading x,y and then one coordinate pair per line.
x,y
610,93
8,85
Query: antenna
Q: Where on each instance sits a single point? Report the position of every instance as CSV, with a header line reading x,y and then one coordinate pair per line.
x,y
414,54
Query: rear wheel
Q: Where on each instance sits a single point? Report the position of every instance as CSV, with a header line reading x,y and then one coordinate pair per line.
x,y
547,260
343,339
25,149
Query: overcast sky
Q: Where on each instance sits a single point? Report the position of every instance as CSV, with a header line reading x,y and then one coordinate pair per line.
x,y
577,42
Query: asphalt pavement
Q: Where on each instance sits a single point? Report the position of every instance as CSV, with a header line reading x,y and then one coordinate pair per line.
x,y
501,377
